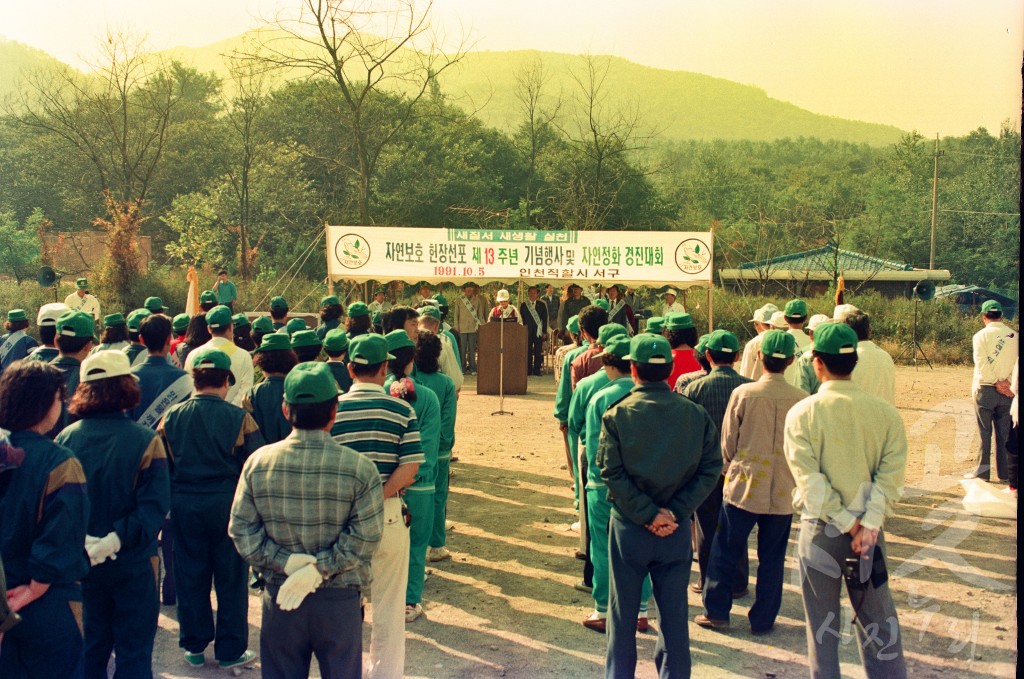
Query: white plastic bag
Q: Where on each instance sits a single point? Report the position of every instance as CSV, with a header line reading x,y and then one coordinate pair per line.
x,y
984,499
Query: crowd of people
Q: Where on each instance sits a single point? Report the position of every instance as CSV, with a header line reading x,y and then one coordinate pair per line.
x,y
313,464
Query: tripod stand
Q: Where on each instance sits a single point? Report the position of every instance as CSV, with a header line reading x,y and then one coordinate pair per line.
x,y
913,345
501,373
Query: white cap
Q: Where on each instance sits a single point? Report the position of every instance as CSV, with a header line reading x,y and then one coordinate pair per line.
x,y
778,320
670,291
49,313
764,314
840,313
502,296
106,364
816,320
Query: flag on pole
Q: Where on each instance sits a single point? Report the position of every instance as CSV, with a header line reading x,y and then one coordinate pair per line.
x,y
840,289
192,301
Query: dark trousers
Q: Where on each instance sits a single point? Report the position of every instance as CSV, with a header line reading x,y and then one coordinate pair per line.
x,y
47,643
121,611
534,352
734,526
327,624
707,525
205,555
993,412
633,553
167,593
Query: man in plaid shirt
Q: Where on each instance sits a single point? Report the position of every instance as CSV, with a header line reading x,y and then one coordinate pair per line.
x,y
308,515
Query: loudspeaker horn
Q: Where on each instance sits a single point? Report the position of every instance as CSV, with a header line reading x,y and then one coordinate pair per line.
x,y
924,290
47,277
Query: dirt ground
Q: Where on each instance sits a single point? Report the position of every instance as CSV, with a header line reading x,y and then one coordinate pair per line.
x,y
505,606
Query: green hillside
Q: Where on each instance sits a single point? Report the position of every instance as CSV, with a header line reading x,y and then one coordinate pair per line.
x,y
676,105
16,60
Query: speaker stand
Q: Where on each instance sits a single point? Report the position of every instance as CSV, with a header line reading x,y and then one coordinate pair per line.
x,y
913,345
501,373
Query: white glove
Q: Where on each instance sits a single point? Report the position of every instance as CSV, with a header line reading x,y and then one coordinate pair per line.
x,y
101,549
297,561
298,586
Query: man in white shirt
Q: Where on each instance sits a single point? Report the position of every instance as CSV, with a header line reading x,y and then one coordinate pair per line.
x,y
995,350
749,365
795,315
81,300
670,305
218,319
876,371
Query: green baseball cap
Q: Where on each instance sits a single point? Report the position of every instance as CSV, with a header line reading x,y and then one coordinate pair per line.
x,y
305,338
603,303
180,323
655,325
379,291
207,296
274,341
330,300
240,321
702,344
835,338
678,320
357,309
796,308
441,300
368,350
608,331
294,325
278,303
210,358
110,320
76,324
219,317
263,324
778,344
617,346
310,383
377,319
336,340
431,311
647,348
134,319
16,315
82,284
991,305
724,341
398,339
155,305
573,325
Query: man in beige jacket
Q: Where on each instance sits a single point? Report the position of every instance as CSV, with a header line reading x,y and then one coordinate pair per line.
x,y
468,312
758,489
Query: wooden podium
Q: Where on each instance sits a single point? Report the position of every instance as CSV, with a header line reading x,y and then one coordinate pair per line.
x,y
489,361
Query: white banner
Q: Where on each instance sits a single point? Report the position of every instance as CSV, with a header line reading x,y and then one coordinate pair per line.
x,y
651,258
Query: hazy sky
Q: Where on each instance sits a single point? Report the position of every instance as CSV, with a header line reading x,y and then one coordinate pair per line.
x,y
937,66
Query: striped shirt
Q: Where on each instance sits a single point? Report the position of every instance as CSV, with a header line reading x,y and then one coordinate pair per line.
x,y
713,391
381,427
308,495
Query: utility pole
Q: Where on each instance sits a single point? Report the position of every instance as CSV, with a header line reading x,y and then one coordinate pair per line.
x,y
935,201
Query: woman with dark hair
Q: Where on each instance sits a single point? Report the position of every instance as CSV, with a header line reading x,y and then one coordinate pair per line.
x,y
358,321
682,335
428,373
15,345
331,312
115,334
241,327
43,513
197,335
129,494
419,497
275,359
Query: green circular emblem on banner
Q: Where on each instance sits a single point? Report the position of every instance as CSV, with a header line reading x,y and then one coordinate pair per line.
x,y
352,251
692,256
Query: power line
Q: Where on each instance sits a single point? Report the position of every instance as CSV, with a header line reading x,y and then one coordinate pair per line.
x,y
972,212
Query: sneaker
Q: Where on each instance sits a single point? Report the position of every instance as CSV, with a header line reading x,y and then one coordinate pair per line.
x,y
449,525
583,587
595,623
710,623
642,624
438,554
575,527
697,587
413,611
195,659
244,660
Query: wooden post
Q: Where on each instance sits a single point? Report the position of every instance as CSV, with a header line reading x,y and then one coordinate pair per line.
x,y
327,251
711,310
